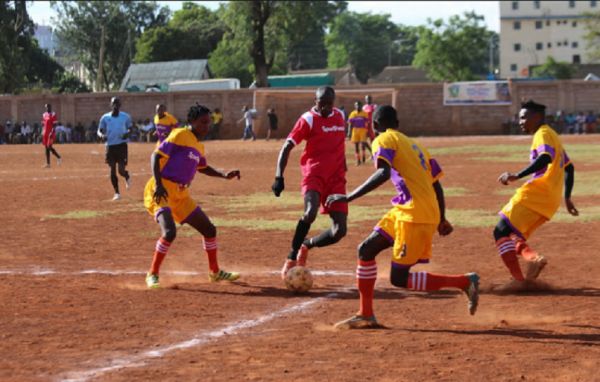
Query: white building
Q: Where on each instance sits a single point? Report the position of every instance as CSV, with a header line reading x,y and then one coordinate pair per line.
x,y
531,31
46,39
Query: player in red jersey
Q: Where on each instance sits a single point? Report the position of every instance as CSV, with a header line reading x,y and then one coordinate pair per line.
x,y
49,119
323,165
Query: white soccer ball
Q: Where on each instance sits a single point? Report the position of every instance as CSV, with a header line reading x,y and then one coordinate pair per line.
x,y
298,279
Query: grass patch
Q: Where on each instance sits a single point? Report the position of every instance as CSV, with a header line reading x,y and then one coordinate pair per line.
x,y
81,214
587,214
472,218
259,200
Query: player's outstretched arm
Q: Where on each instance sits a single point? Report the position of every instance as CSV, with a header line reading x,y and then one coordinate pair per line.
x,y
444,228
540,162
569,182
279,184
211,171
379,177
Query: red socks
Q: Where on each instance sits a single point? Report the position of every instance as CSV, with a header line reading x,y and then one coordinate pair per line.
x,y
210,245
366,276
425,281
508,253
523,249
160,251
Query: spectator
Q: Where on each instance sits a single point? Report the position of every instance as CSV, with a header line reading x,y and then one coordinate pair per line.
x,y
580,122
570,122
1,134
15,137
69,132
559,121
272,122
78,133
590,123
36,133
61,135
26,132
249,122
134,135
149,129
8,131
90,134
217,120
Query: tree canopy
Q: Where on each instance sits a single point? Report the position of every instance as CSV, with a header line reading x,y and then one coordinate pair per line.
x,y
554,69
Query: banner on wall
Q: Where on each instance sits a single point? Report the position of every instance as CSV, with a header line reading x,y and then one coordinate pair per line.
x,y
477,93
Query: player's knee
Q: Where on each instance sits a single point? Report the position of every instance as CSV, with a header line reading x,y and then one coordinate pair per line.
x,y
169,234
365,252
339,231
399,277
211,231
501,230
309,216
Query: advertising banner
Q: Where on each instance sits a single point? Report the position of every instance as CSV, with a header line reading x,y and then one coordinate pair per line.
x,y
477,93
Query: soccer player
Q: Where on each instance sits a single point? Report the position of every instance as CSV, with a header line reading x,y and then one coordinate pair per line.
x,y
115,127
49,119
370,108
536,201
323,165
166,196
418,210
358,123
164,123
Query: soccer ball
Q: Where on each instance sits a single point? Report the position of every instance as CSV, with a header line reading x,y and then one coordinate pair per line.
x,y
298,279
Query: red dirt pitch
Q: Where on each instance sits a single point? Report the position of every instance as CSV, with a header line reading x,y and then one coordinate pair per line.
x,y
75,306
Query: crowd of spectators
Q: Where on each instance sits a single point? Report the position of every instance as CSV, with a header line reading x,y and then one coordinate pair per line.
x,y
563,123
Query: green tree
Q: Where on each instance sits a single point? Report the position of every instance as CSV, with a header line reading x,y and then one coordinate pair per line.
x,y
362,41
554,69
404,46
16,31
454,51
103,34
592,35
192,33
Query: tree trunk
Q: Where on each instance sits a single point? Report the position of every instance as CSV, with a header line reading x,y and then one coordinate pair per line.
x,y
260,14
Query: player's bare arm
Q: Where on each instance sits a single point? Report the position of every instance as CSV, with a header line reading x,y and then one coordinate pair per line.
x,y
279,184
379,177
540,162
569,182
159,192
211,171
444,227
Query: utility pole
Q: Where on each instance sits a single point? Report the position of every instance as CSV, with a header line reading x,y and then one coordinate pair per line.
x,y
100,74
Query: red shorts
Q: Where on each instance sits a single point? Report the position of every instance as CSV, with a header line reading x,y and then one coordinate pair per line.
x,y
326,187
48,140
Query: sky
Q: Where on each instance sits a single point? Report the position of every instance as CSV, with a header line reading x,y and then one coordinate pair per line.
x,y
411,13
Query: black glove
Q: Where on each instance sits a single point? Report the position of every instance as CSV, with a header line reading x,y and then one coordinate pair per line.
x,y
278,186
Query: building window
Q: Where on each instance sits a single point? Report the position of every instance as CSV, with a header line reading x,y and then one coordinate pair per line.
x,y
549,45
593,3
517,47
513,67
547,23
576,59
539,46
517,25
566,43
574,23
574,44
559,43
538,25
557,22
536,4
515,5
571,4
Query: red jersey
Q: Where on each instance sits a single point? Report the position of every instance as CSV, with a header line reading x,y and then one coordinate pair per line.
x,y
324,154
370,109
48,121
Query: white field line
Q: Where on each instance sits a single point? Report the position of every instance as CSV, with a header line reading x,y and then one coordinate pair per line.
x,y
200,339
85,272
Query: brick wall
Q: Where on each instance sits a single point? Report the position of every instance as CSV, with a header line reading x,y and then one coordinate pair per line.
x,y
420,107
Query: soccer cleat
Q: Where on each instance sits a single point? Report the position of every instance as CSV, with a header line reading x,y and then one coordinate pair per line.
x,y
289,264
46,166
302,256
223,276
128,183
358,322
472,291
152,281
116,197
534,267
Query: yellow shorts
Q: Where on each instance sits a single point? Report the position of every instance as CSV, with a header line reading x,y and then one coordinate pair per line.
x,y
358,135
412,241
179,201
521,219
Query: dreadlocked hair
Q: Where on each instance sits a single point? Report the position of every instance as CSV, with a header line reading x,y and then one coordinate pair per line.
x,y
196,112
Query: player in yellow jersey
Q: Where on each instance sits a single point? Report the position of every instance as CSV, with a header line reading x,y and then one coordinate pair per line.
x,y
418,211
358,123
164,123
536,201
166,196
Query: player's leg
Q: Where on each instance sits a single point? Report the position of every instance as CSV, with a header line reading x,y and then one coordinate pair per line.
x,y
507,249
202,224
113,178
168,233
364,145
47,150
55,153
124,173
311,209
366,276
338,229
357,153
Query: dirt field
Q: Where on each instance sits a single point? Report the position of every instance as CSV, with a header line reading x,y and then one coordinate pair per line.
x,y
75,306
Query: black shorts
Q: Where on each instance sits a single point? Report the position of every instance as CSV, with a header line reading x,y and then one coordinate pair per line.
x,y
116,154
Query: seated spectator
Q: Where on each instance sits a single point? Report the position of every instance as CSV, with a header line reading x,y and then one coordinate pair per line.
x,y
26,132
134,133
69,132
590,123
36,133
15,137
149,129
90,133
8,131
570,122
78,133
580,122
61,134
2,134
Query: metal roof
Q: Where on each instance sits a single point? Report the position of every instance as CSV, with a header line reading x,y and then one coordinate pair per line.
x,y
160,74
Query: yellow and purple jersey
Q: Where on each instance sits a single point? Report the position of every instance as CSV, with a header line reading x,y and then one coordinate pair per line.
x,y
542,193
358,119
182,155
413,173
164,126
